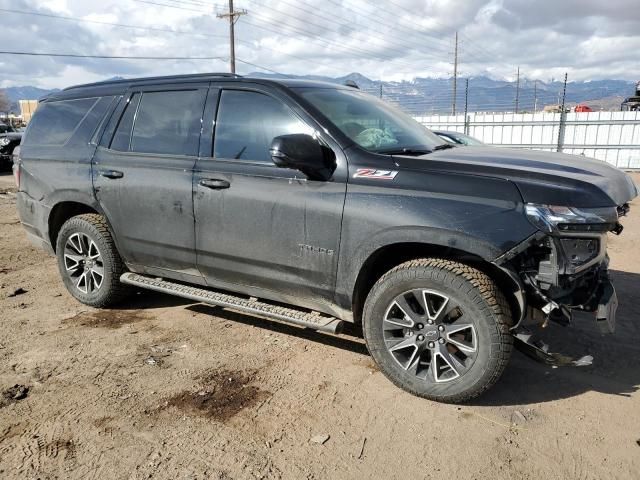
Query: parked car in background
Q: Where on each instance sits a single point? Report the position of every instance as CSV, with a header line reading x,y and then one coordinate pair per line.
x,y
581,108
457,138
9,139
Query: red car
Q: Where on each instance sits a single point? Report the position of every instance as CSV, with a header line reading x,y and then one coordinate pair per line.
x,y
583,108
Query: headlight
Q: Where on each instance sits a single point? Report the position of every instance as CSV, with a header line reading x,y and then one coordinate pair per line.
x,y
553,218
4,141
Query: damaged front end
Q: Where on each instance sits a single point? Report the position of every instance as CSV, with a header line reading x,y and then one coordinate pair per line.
x,y
561,269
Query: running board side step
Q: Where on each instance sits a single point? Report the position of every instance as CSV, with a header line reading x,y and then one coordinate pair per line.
x,y
301,318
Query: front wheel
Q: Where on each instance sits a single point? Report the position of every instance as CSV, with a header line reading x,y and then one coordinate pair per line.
x,y
89,262
438,329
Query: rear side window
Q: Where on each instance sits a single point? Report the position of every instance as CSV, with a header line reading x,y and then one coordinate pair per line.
x,y
55,122
248,122
161,122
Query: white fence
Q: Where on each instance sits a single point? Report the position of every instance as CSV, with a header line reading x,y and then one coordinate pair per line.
x,y
610,136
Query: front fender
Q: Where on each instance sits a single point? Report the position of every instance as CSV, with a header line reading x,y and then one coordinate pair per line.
x,y
482,217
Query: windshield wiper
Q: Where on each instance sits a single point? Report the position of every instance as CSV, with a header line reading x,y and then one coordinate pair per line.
x,y
407,151
444,146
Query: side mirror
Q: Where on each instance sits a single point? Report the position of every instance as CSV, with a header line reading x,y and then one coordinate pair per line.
x,y
303,152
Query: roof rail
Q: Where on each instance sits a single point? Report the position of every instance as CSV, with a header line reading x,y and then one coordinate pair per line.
x,y
166,77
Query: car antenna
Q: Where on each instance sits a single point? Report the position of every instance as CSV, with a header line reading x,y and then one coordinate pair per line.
x,y
352,84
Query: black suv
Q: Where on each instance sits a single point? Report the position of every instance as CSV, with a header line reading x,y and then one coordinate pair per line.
x,y
317,204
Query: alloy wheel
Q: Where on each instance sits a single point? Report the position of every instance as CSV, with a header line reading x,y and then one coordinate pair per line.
x,y
429,335
83,263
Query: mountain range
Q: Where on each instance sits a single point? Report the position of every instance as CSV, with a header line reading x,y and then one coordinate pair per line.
x,y
435,95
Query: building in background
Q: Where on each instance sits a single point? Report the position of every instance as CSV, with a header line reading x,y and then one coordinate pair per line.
x,y
27,109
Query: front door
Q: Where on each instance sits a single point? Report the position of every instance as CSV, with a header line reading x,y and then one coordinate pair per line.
x,y
260,229
143,177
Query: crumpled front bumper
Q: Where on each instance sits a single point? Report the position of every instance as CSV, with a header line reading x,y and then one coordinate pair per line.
x,y
557,277
607,307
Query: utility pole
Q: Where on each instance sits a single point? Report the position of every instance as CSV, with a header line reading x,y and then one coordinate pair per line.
x,y
233,16
535,96
466,107
455,76
564,90
380,88
466,96
563,117
517,88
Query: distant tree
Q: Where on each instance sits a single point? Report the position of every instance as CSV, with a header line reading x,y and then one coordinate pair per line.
x,y
5,104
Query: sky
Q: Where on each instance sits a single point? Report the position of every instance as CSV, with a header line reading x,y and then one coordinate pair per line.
x,y
391,40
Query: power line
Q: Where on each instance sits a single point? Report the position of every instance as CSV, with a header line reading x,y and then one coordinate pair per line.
x,y
331,43
348,23
170,6
260,67
152,29
392,26
119,57
42,54
411,25
120,25
474,45
291,28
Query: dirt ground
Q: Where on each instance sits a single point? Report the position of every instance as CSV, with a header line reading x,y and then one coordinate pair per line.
x,y
164,388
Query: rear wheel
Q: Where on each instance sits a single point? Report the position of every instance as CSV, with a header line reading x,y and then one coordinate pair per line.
x,y
88,261
438,329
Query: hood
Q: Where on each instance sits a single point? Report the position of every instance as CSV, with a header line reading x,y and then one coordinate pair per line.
x,y
542,177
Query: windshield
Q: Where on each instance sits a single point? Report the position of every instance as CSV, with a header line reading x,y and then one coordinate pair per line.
x,y
467,140
371,123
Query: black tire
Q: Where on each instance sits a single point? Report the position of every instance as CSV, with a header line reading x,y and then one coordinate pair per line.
x,y
109,291
477,300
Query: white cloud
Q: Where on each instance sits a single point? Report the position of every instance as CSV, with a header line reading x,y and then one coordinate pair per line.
x,y
392,40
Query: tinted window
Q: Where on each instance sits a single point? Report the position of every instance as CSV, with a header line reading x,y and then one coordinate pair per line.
x,y
55,122
247,123
371,123
168,122
123,132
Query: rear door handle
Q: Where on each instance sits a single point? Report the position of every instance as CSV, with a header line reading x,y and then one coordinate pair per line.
x,y
113,174
215,183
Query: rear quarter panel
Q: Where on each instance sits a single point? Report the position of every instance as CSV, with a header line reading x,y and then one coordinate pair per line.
x,y
57,173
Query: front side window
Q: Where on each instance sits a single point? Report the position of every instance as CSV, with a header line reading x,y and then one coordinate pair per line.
x,y
54,122
248,122
371,123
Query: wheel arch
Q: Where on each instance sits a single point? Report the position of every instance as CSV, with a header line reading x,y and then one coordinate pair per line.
x,y
389,256
63,211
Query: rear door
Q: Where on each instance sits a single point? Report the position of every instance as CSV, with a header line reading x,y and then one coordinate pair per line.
x,y
261,229
142,174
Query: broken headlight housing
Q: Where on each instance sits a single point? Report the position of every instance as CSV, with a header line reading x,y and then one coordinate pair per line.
x,y
559,219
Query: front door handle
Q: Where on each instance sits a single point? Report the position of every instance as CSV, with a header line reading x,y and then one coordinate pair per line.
x,y
113,174
215,183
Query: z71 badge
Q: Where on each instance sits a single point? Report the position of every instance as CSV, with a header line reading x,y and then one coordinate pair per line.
x,y
376,174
